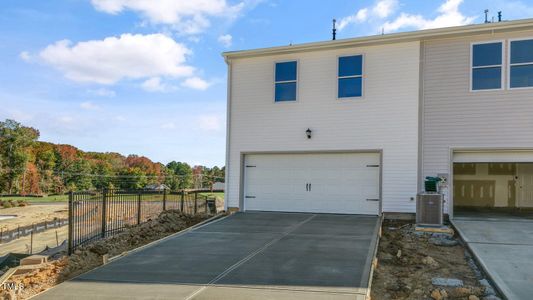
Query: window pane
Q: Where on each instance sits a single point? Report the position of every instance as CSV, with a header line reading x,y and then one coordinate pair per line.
x,y
521,51
286,71
351,65
487,54
487,78
286,91
522,76
350,87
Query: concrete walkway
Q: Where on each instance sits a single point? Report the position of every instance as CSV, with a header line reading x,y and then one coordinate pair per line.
x,y
245,256
504,247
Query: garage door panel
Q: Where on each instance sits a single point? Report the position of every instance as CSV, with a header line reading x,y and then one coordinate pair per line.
x,y
339,183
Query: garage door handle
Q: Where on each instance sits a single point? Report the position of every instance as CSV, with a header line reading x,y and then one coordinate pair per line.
x,y
307,187
249,197
372,199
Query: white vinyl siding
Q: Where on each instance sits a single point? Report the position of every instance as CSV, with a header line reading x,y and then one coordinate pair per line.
x,y
385,119
454,117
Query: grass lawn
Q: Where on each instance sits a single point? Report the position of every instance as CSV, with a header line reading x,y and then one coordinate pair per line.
x,y
55,198
218,195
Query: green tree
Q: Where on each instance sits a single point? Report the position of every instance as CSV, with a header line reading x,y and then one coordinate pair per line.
x,y
183,174
78,175
15,143
132,178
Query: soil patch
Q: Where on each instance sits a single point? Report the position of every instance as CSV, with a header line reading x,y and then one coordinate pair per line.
x,y
415,265
91,256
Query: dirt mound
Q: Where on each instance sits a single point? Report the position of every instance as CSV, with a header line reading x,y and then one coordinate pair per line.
x,y
408,261
91,256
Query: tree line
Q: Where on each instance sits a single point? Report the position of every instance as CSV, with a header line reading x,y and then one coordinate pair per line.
x,y
29,166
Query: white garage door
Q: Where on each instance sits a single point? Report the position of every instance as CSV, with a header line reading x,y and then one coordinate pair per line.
x,y
346,183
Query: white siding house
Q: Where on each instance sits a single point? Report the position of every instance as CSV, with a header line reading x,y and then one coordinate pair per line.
x,y
364,154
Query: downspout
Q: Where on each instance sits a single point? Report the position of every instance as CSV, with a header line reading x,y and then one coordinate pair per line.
x,y
228,131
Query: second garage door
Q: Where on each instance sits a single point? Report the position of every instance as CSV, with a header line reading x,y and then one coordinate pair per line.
x,y
347,183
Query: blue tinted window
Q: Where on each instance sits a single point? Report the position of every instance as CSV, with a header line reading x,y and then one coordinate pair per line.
x,y
522,51
350,87
286,91
522,76
286,71
350,65
487,54
486,78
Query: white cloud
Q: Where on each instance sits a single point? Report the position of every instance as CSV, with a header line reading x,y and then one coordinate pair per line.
x,y
385,8
25,56
210,123
359,17
196,83
120,118
225,40
102,92
188,17
449,15
154,84
380,10
115,58
88,105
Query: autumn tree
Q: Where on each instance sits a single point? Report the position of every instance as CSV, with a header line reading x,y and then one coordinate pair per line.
x,y
15,143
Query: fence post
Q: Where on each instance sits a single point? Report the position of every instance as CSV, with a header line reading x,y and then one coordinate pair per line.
x,y
164,199
139,207
104,211
182,199
195,202
1,235
70,222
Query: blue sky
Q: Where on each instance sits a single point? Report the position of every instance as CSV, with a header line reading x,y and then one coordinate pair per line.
x,y
146,76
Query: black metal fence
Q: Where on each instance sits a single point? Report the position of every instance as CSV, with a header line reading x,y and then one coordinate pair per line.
x,y
98,214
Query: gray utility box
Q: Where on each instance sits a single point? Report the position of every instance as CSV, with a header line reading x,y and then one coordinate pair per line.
x,y
429,209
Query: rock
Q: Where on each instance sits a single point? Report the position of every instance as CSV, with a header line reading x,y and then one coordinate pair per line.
x,y
399,254
429,261
473,297
487,287
436,294
443,241
464,292
446,282
386,256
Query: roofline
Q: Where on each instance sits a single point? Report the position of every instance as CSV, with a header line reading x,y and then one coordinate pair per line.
x,y
385,38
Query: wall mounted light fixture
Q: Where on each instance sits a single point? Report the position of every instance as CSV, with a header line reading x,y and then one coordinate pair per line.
x,y
308,133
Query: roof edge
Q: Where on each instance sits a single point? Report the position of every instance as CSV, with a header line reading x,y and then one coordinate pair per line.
x,y
382,39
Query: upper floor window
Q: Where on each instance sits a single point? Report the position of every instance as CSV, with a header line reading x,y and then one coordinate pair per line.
x,y
350,76
521,64
286,81
487,66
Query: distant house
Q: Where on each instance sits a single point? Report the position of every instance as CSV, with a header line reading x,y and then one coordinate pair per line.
x,y
156,187
218,186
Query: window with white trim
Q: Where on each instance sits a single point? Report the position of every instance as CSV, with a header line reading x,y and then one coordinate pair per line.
x,y
286,76
521,64
350,76
487,66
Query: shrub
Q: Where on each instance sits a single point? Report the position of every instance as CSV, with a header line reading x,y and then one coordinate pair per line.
x,y
7,204
21,203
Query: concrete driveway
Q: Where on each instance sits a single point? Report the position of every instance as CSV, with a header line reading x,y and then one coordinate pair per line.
x,y
253,255
503,244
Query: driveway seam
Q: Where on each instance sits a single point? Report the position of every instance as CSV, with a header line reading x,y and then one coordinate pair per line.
x,y
248,257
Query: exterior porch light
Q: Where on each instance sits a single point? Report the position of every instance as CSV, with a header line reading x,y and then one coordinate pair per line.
x,y
308,133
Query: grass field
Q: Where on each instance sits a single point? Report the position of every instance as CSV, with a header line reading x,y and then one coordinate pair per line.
x,y
55,198
61,198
